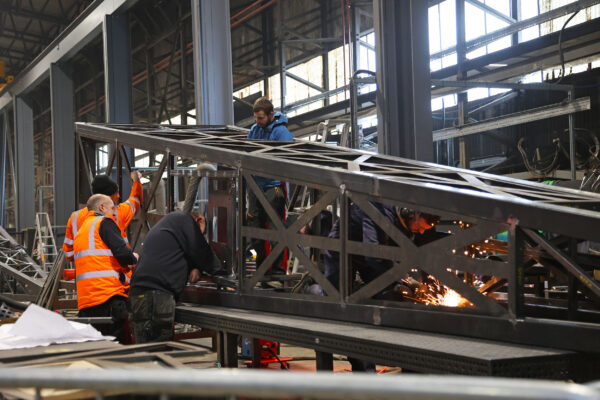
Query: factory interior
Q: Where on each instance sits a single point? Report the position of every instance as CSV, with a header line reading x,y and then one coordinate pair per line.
x,y
300,199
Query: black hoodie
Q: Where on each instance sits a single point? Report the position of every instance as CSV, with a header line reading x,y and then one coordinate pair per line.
x,y
173,247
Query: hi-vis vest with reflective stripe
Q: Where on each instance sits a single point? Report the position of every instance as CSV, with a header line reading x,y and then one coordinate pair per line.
x,y
125,213
96,270
75,221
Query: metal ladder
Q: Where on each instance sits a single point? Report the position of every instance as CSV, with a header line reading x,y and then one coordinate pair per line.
x,y
44,239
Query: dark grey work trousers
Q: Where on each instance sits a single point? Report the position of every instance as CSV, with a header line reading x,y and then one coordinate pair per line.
x,y
151,315
116,308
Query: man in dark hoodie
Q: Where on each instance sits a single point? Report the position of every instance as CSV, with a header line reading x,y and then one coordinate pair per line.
x,y
175,252
269,125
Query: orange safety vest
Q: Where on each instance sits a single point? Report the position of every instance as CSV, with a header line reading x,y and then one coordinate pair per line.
x,y
125,213
96,269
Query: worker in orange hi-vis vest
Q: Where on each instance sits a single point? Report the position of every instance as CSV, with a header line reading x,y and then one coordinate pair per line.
x,y
103,184
102,259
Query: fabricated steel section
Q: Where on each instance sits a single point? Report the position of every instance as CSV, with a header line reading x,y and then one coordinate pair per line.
x,y
542,224
19,274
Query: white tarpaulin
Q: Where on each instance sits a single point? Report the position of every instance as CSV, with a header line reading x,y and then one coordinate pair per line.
x,y
40,327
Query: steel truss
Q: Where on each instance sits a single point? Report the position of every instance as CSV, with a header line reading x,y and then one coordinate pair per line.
x,y
19,274
544,226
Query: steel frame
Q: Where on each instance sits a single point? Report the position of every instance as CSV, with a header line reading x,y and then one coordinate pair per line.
x,y
19,274
487,204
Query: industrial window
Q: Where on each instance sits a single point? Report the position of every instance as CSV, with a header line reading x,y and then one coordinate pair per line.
x,y
101,158
487,16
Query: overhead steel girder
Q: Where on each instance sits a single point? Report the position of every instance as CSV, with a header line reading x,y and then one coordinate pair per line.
x,y
66,45
492,204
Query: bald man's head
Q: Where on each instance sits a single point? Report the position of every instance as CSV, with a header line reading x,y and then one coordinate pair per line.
x,y
101,203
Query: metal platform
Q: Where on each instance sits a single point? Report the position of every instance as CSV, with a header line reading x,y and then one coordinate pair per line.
x,y
412,350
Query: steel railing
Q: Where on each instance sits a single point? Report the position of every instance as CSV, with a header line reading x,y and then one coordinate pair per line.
x,y
277,384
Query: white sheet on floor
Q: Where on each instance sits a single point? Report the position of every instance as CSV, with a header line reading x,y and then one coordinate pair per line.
x,y
40,327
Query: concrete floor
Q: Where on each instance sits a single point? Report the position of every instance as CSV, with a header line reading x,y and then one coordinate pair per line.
x,y
303,360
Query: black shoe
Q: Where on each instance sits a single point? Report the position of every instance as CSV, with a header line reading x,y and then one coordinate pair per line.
x,y
276,271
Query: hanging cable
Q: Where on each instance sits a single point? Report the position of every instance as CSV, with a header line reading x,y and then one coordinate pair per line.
x,y
560,51
535,168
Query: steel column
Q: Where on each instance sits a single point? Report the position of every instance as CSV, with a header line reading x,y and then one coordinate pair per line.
x,y
117,77
515,13
213,71
24,163
403,88
572,140
117,68
516,245
325,53
213,76
227,349
324,361
3,156
63,141
461,55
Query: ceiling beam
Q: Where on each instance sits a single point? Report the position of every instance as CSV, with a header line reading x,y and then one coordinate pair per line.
x,y
21,12
26,37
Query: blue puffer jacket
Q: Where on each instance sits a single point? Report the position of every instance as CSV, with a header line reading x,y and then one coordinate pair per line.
x,y
276,130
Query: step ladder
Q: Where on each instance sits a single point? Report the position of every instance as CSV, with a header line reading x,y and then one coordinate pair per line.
x,y
44,240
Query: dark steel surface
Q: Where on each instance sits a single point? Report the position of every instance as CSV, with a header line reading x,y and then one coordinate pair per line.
x,y
412,350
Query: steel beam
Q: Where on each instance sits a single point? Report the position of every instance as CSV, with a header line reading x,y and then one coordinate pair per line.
x,y
63,141
403,95
500,85
517,118
410,349
65,46
213,74
24,163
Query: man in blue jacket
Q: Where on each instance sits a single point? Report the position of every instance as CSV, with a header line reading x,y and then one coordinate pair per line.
x,y
269,125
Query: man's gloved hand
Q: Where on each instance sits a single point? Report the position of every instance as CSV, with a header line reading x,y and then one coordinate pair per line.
x,y
421,222
136,176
